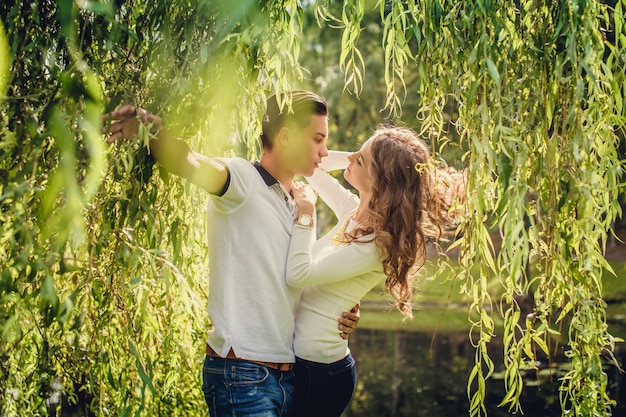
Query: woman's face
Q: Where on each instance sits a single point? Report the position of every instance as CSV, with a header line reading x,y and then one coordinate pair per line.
x,y
357,173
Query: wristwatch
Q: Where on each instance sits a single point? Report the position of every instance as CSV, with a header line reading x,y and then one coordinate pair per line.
x,y
305,220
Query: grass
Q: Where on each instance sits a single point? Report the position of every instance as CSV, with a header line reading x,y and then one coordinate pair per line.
x,y
425,320
441,305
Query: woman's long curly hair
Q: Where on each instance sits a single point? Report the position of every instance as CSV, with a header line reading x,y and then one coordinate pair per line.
x,y
411,201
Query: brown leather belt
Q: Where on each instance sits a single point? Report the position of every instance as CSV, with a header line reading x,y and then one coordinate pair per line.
x,y
284,367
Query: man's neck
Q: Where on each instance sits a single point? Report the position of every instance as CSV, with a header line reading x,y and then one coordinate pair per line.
x,y
271,164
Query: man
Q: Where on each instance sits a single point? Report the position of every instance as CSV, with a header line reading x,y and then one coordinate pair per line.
x,y
248,367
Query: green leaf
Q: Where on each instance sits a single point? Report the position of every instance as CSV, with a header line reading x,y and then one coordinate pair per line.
x,y
493,71
5,62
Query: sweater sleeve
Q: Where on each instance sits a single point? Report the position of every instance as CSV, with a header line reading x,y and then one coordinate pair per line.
x,y
340,200
341,263
335,160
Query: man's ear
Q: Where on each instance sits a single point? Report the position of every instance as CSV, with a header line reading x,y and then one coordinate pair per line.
x,y
282,137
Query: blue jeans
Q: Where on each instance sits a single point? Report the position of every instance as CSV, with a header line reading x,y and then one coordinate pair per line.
x,y
323,390
234,387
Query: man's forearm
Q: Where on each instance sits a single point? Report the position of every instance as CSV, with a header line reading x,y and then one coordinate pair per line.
x,y
172,154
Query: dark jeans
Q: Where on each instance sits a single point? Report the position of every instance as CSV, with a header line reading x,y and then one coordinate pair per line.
x,y
234,387
323,390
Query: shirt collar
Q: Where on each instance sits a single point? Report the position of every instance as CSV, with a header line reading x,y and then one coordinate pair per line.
x,y
267,177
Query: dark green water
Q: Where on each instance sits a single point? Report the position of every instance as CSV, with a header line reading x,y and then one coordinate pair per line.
x,y
401,375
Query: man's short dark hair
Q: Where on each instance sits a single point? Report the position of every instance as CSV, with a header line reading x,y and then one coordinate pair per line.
x,y
304,104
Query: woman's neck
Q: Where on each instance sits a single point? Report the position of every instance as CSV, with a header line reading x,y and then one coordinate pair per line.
x,y
362,214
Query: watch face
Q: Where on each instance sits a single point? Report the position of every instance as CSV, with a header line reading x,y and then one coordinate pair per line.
x,y
305,220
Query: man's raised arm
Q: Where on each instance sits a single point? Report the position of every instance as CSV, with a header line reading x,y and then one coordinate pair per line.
x,y
173,154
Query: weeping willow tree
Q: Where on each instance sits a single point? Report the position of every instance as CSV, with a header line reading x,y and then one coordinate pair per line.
x,y
540,88
102,255
103,259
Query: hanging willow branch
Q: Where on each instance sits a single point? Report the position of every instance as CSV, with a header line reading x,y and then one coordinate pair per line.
x,y
540,88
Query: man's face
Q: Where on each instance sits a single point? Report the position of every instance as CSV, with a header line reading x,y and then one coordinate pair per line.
x,y
307,146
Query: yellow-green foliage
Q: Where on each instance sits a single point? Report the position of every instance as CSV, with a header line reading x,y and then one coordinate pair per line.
x,y
102,256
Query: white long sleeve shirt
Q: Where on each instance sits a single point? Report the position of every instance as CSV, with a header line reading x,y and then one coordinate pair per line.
x,y
335,275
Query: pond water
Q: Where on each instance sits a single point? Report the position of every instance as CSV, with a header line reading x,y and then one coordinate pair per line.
x,y
410,374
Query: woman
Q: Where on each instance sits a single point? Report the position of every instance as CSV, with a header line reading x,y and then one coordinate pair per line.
x,y
381,234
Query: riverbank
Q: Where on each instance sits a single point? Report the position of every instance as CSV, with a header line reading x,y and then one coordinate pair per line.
x,y
441,305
